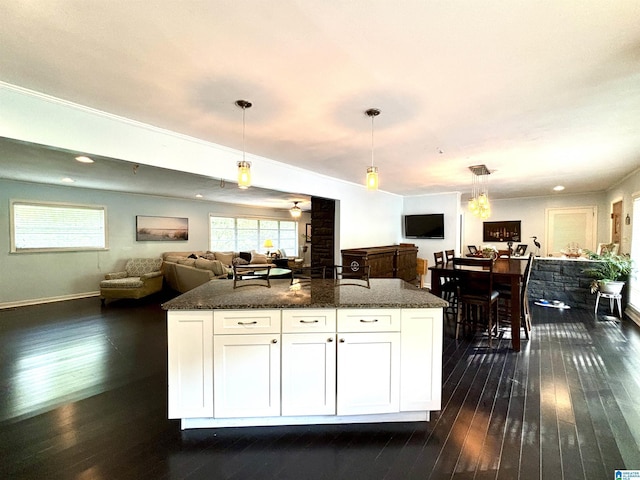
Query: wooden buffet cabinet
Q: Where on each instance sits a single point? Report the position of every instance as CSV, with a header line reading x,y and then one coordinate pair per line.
x,y
390,261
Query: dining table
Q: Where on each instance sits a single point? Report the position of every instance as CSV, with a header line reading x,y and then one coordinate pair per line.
x,y
506,271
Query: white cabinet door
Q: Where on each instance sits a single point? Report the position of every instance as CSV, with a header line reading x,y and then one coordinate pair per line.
x,y
368,373
308,374
421,359
246,375
190,363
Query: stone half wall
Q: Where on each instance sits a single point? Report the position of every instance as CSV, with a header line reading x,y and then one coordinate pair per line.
x,y
561,279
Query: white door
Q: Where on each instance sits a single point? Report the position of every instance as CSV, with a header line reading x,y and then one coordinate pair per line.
x,y
246,375
368,373
190,363
308,374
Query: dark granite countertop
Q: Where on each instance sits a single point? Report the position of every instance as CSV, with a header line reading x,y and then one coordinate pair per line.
x,y
384,293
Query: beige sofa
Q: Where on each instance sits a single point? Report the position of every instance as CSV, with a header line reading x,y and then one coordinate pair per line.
x,y
184,271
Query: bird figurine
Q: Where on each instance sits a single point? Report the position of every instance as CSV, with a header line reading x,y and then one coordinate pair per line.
x,y
537,244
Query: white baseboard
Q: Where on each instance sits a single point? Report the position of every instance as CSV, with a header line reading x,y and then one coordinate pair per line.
x,y
38,301
633,314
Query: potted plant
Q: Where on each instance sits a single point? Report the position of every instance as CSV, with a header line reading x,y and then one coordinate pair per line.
x,y
610,273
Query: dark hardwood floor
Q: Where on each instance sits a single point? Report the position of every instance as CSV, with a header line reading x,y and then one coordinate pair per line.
x,y
83,396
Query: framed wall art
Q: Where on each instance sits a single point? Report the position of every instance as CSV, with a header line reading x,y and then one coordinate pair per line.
x,y
501,231
307,233
161,229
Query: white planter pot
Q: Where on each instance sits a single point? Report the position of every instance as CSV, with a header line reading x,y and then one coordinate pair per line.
x,y
610,287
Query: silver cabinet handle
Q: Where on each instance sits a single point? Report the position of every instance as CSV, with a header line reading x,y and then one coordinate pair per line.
x,y
308,321
368,321
330,339
248,323
275,340
342,340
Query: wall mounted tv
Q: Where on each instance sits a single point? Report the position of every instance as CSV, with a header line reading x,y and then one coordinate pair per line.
x,y
429,225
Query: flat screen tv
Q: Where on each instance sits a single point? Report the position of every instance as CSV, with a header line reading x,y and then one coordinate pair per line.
x,y
429,225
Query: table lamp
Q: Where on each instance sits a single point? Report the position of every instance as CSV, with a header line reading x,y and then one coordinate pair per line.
x,y
268,244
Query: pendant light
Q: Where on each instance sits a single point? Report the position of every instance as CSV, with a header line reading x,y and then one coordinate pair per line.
x,y
479,204
372,172
295,210
244,167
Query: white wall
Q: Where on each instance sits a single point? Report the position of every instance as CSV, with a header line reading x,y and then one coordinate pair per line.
x,y
449,204
44,276
366,218
624,191
531,212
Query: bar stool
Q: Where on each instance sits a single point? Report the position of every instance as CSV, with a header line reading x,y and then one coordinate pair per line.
x,y
614,299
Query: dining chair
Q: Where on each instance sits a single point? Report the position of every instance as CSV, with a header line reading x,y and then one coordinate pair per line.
x,y
505,300
477,299
504,253
421,270
448,287
449,254
346,275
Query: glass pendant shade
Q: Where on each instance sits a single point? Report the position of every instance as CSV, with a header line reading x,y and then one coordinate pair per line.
x,y
295,210
244,167
372,178
479,204
372,172
244,174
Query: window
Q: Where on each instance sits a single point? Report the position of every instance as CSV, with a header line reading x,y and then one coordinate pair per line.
x,y
57,227
570,227
246,234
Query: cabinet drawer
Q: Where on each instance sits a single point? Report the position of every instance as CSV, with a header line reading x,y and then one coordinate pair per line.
x,y
369,320
238,322
308,320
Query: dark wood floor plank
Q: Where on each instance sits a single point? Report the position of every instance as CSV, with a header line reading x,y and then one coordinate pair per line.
x,y
83,395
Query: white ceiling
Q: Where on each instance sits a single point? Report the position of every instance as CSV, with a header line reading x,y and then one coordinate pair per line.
x,y
541,92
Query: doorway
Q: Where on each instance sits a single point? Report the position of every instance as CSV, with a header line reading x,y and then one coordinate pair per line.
x,y
616,223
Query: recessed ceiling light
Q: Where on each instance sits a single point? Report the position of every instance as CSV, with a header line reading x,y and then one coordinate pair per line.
x,y
198,195
84,159
68,180
558,188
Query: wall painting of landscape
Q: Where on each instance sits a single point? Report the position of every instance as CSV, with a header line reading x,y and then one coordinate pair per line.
x,y
163,229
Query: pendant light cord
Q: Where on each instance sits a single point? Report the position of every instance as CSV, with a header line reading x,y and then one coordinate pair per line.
x,y
372,117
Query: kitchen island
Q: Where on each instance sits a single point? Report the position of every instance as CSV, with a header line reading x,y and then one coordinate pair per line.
x,y
326,353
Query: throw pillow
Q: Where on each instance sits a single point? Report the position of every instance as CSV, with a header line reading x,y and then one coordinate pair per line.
x,y
191,262
246,256
193,255
225,257
240,261
214,265
257,258
173,259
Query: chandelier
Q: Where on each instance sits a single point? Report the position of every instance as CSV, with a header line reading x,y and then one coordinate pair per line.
x,y
479,204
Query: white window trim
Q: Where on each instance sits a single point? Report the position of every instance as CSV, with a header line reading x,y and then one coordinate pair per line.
x,y
12,239
284,218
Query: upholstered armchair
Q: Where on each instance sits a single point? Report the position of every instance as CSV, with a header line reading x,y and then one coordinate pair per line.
x,y
141,277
